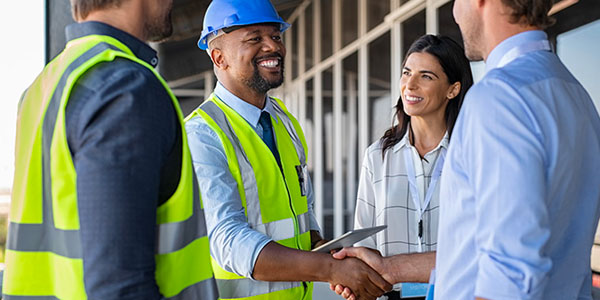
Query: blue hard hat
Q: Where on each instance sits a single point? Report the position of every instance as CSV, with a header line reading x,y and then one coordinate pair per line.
x,y
227,13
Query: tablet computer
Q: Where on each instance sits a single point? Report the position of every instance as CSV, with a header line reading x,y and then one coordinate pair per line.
x,y
349,238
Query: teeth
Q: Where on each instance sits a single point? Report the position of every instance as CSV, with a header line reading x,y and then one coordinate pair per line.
x,y
411,98
269,63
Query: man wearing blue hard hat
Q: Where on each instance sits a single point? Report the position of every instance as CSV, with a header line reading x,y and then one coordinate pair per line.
x,y
249,154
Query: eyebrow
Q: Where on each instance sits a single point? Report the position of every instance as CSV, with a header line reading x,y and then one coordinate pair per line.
x,y
425,72
258,31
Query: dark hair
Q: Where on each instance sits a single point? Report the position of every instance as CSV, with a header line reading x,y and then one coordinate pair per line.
x,y
530,12
82,8
451,57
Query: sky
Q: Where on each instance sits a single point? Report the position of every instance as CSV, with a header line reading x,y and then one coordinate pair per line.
x,y
22,53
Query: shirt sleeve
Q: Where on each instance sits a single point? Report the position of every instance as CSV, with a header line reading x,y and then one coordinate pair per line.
x,y
364,215
503,154
121,126
310,198
233,244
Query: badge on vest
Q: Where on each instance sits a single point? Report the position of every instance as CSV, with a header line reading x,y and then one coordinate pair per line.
x,y
302,171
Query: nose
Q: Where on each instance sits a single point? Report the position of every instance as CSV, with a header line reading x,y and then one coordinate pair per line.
x,y
271,45
411,82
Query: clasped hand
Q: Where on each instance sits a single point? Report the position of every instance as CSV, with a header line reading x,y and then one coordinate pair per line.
x,y
370,265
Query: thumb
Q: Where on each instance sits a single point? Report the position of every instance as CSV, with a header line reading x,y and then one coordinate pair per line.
x,y
345,252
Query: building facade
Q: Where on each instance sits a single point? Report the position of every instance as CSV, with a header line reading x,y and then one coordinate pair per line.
x,y
342,73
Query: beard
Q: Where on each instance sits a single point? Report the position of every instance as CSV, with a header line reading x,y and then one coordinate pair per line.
x,y
472,37
160,28
261,84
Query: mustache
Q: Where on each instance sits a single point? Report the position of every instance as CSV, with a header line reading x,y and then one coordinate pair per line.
x,y
274,55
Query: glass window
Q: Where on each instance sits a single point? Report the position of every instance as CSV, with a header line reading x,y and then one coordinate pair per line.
x,y
412,29
578,49
308,46
349,21
309,126
376,12
351,158
294,51
327,107
446,24
379,86
326,28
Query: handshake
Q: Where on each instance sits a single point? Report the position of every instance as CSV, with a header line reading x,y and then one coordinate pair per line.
x,y
364,274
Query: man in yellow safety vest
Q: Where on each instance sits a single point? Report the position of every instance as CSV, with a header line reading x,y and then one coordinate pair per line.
x,y
250,154
105,204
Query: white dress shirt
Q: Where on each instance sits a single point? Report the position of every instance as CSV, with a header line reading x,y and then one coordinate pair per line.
x,y
384,198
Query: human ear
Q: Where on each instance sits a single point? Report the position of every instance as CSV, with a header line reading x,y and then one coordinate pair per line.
x,y
453,90
218,58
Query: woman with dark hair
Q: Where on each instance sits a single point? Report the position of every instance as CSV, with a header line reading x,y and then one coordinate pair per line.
x,y
400,175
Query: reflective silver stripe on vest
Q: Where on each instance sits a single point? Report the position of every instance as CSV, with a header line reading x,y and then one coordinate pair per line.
x,y
205,290
248,178
175,236
246,287
11,297
304,222
289,126
284,229
45,237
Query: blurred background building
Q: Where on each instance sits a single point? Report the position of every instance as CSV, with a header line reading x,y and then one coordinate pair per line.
x,y
342,72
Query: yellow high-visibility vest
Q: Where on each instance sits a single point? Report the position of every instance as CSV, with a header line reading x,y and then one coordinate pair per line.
x,y
274,199
43,255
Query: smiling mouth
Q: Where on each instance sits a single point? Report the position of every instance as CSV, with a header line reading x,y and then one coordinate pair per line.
x,y
413,99
269,63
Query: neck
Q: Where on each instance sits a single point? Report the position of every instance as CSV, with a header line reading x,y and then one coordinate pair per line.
x,y
427,132
126,17
497,28
245,93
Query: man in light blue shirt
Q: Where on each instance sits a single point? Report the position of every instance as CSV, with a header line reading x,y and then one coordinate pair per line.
x,y
520,193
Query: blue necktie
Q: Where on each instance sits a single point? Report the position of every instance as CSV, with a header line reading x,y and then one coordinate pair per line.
x,y
265,122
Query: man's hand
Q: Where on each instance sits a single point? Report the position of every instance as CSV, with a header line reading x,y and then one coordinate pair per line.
x,y
371,257
360,280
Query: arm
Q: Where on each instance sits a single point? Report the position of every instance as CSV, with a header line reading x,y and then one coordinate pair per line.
x,y
316,239
414,267
279,263
506,167
121,126
233,244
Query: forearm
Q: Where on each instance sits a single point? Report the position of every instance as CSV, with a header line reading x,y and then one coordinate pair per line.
x,y
415,267
279,263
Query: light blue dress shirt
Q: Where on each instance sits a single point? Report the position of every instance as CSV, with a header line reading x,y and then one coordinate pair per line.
x,y
233,244
520,189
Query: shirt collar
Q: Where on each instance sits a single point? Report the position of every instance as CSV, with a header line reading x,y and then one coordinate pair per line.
x,y
140,49
510,43
249,112
406,142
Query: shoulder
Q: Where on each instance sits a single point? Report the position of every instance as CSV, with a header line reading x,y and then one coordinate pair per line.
x,y
196,125
373,156
119,72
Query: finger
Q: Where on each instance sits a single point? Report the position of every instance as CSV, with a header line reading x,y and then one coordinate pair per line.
x,y
332,287
347,293
339,289
381,284
352,297
340,254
